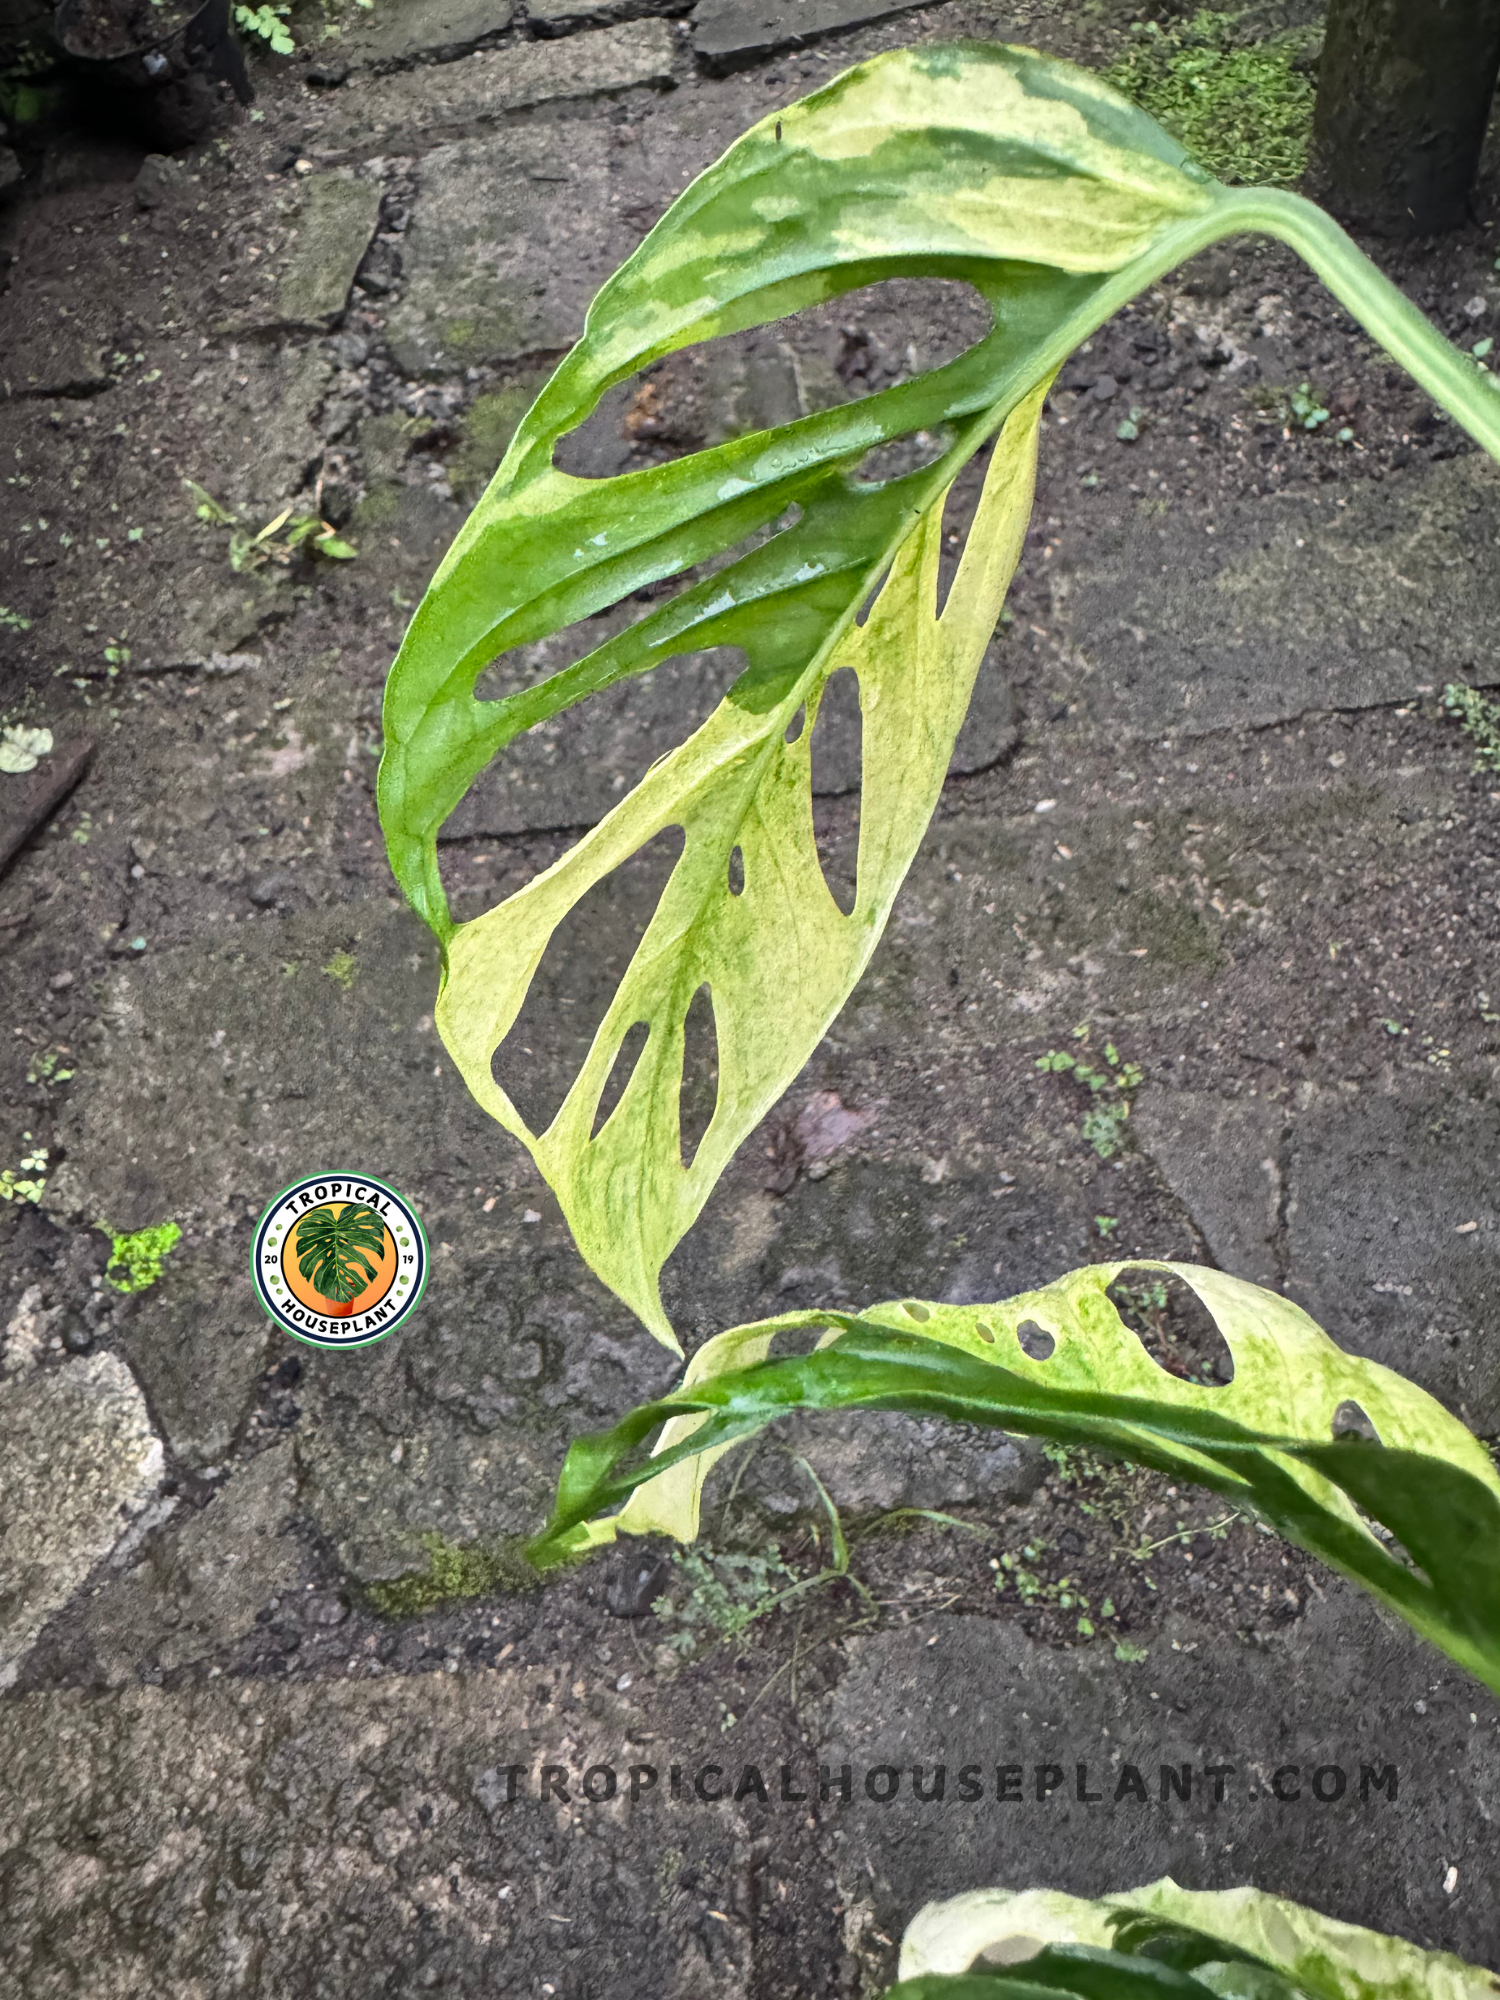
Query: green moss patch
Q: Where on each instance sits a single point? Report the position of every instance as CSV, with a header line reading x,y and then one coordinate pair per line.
x,y
136,1256
454,1570
1242,108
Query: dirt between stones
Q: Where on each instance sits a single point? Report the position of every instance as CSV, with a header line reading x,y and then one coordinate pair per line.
x,y
1213,812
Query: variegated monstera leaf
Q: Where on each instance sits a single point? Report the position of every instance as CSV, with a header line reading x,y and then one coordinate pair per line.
x,y
1057,200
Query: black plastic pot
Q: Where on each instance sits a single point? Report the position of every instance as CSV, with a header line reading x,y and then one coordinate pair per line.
x,y
172,79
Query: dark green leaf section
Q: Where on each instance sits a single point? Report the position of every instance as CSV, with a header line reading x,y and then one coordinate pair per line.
x,y
1443,1515
1084,1972
332,1247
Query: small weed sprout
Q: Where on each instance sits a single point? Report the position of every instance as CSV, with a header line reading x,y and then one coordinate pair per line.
x,y
1112,1089
726,1594
1479,718
28,1180
277,542
268,25
45,1067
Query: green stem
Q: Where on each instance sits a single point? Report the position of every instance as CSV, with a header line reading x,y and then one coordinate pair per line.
x,y
1448,375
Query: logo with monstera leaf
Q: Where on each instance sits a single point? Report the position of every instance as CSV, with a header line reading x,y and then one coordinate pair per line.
x,y
339,1260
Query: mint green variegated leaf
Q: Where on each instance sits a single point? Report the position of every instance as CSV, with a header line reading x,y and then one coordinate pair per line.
x,y
1265,1440
1323,1957
1058,201
1039,186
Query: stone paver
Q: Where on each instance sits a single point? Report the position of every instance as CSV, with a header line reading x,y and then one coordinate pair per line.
x,y
78,1459
508,245
431,30
204,1588
1221,1157
1314,605
1342,1693
732,34
449,99
334,225
360,1829
1393,1234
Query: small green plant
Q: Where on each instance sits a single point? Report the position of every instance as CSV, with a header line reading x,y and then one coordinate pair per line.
x,y
136,1256
1479,717
721,1595
1160,1940
22,749
28,1180
1112,1088
277,542
12,621
46,1067
268,24
1244,108
1293,409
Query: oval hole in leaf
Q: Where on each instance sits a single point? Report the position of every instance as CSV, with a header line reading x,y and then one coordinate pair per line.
x,y
581,968
1173,1325
837,757
736,872
984,1332
627,1055
1350,1421
699,1094
1035,1341
798,1340
571,769
796,726
837,352
918,1312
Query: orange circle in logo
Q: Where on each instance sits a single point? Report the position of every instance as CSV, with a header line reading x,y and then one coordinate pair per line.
x,y
385,1267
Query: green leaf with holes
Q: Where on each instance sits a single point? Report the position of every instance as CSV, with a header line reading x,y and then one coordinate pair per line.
x,y
1239,1944
1058,201
1268,1441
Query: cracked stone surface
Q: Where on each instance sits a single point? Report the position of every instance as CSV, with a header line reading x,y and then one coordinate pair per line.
x,y
224,1566
1222,1159
333,1823
1328,606
1392,1243
79,1459
484,280
434,30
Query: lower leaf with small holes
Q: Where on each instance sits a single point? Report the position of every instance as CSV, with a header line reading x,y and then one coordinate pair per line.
x,y
1161,1940
1282,1439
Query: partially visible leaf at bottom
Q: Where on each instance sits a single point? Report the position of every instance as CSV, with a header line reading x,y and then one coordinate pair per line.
x,y
779,957
1324,1957
1268,1440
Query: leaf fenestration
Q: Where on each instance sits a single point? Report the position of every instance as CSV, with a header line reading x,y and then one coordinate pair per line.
x,y
1262,1440
1057,200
